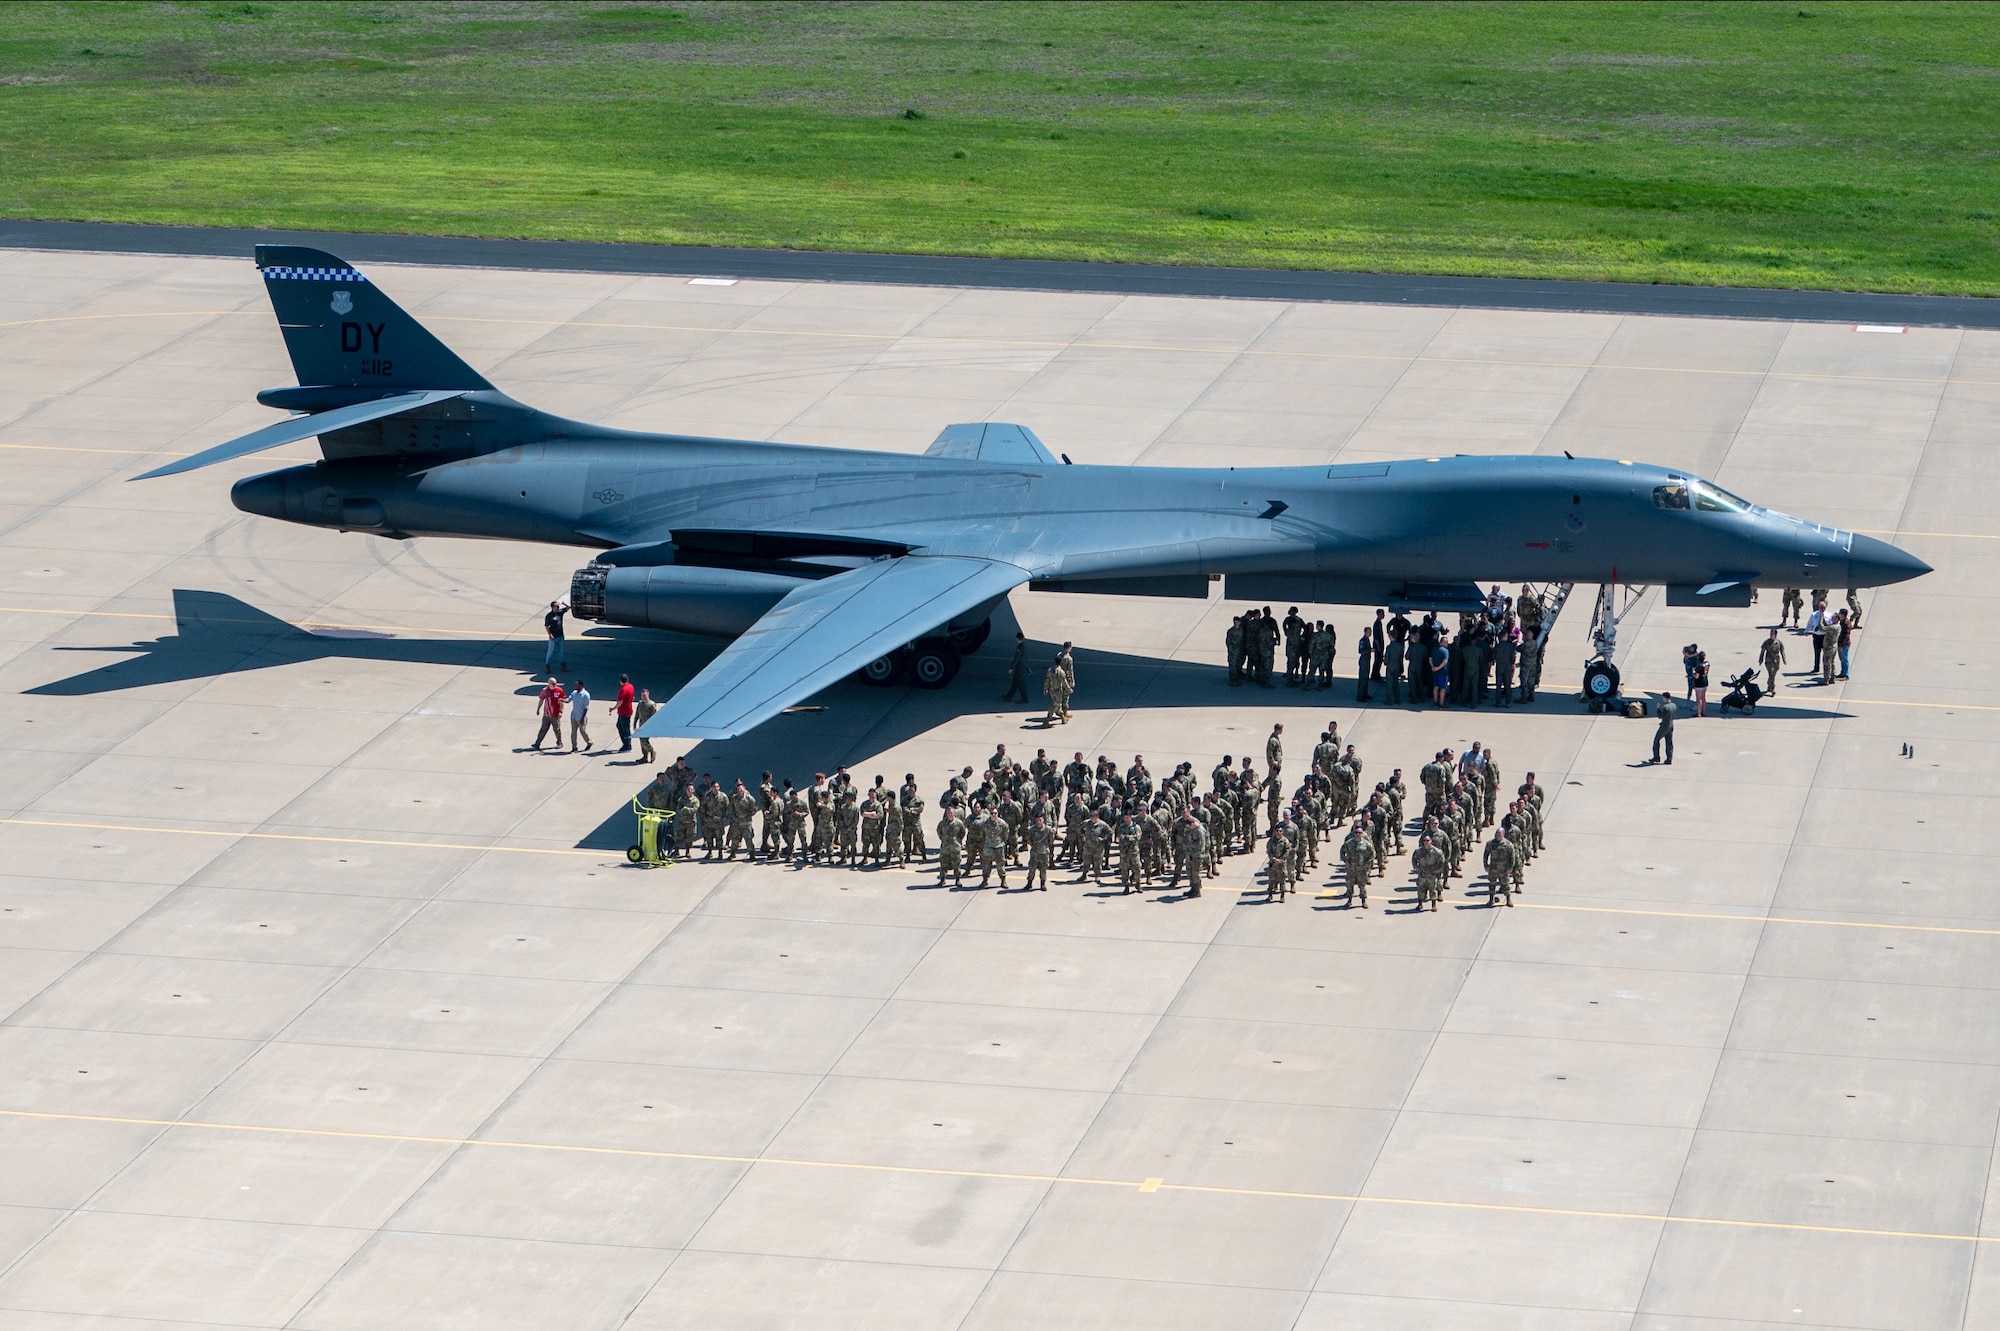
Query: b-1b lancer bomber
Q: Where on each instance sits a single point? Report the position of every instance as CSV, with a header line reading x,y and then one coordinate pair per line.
x,y
824,562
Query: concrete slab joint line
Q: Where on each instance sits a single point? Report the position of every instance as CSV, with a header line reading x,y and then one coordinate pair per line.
x,y
1149,1185
1495,293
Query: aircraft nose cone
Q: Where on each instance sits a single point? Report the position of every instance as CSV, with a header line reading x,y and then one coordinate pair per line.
x,y
263,495
1873,563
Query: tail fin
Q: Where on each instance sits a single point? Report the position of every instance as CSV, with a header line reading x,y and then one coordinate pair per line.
x,y
344,333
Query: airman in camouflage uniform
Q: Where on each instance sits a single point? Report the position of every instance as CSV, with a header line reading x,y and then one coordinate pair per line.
x,y
892,829
847,828
1277,866
794,823
770,804
821,810
1190,852
714,820
992,834
1435,781
1397,792
1499,857
951,849
687,823
1130,877
1056,686
1357,855
1431,869
1377,814
742,822
1041,840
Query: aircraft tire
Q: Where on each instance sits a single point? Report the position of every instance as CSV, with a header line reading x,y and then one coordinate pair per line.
x,y
934,662
1600,683
971,640
882,671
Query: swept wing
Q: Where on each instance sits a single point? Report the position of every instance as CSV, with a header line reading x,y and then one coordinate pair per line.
x,y
823,632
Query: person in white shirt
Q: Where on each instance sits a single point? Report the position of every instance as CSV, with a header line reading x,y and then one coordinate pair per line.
x,y
1816,625
579,717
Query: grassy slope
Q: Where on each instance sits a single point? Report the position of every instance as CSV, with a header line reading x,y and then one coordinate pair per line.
x,y
1817,145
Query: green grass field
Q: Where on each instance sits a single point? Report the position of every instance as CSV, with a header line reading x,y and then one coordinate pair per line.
x,y
1807,145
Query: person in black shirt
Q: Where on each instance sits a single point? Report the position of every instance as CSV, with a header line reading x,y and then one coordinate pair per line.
x,y
557,656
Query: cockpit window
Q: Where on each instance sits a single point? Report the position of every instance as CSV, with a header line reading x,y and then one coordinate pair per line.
x,y
1672,495
1712,498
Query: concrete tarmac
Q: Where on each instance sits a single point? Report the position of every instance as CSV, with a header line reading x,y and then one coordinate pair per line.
x,y
327,1006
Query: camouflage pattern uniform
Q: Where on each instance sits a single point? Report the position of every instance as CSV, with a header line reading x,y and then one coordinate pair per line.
x,y
1430,865
1499,857
951,849
1041,840
1357,854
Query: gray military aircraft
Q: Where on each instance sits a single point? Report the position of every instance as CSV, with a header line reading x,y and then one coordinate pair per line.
x,y
823,562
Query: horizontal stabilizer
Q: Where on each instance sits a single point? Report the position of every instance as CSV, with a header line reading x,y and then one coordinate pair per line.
x,y
823,632
990,441
303,427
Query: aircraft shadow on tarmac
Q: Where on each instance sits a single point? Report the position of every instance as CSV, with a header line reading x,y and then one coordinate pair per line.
x,y
217,634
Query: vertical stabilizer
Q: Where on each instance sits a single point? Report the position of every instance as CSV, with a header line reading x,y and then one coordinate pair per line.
x,y
344,333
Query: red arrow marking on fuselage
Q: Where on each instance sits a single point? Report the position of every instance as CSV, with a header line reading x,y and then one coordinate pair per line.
x,y
1538,545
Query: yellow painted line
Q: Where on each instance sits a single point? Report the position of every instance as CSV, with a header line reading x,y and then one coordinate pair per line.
x,y
301,836
129,314
1137,1185
142,452
1760,919
71,448
307,625
1948,706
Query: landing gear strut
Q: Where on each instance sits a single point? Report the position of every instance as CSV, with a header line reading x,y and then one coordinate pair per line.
x,y
1600,673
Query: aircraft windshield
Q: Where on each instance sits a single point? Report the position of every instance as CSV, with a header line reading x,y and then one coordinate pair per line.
x,y
1712,498
1673,495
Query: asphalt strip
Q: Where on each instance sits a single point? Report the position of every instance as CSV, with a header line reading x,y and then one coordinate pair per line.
x,y
1881,312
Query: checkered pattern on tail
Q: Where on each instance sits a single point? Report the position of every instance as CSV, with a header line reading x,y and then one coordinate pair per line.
x,y
312,275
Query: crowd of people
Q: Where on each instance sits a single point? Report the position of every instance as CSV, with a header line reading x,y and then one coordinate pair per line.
x,y
1103,821
1832,631
1495,653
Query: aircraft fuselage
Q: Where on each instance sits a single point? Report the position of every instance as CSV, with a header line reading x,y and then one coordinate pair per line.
x,y
1435,521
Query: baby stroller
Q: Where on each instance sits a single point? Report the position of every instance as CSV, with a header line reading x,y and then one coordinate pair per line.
x,y
1744,691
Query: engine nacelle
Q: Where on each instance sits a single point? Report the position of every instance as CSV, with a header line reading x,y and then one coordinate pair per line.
x,y
713,602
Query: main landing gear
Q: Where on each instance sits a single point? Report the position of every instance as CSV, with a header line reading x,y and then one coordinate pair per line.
x,y
928,663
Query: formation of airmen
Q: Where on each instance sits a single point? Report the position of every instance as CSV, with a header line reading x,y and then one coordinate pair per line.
x,y
1100,820
1494,655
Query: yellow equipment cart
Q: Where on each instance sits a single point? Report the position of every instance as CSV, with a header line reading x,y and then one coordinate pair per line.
x,y
656,837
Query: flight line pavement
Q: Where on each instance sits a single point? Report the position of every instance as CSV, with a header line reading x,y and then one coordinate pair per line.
x,y
326,1007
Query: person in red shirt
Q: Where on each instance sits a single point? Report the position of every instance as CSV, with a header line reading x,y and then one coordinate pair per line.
x,y
626,696
549,705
